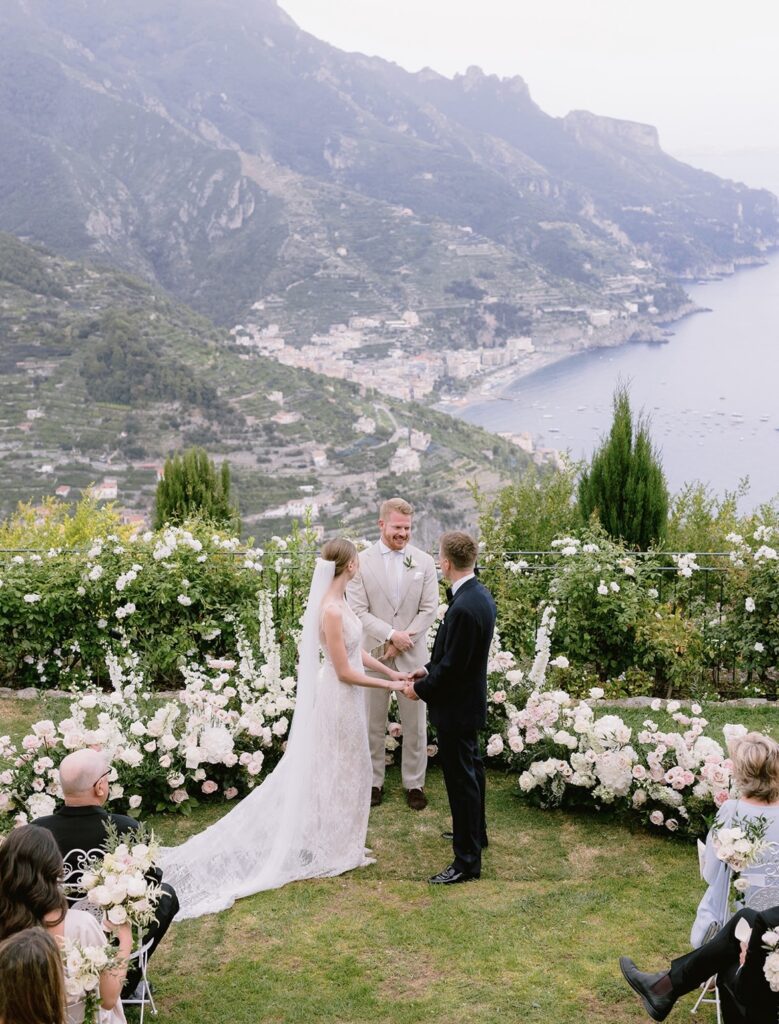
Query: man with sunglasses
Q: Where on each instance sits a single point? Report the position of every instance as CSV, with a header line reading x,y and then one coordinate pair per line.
x,y
80,824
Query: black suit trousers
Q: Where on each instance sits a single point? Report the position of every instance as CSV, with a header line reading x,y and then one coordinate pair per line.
x,y
719,956
464,776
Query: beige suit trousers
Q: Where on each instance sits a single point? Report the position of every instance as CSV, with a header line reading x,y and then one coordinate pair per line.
x,y
381,608
413,719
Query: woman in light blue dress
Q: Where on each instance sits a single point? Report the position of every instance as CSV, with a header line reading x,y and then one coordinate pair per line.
x,y
756,774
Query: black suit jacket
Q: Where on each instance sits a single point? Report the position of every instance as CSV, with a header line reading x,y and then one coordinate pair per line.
x,y
750,986
455,688
84,828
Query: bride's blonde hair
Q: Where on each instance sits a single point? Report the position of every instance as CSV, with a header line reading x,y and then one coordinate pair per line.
x,y
341,551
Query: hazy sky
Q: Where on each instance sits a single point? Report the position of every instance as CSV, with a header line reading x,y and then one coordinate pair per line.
x,y
704,72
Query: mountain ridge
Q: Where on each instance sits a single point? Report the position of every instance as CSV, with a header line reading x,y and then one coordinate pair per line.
x,y
144,120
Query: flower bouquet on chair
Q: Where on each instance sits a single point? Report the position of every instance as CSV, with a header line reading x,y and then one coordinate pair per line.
x,y
121,882
740,845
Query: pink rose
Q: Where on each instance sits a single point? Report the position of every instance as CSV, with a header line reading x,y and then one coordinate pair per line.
x,y
209,786
231,793
720,797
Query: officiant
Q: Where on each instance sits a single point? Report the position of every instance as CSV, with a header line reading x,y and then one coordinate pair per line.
x,y
395,597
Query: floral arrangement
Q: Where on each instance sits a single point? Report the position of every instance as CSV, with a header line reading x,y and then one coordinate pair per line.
x,y
741,843
213,741
647,621
176,594
566,754
118,882
771,966
83,966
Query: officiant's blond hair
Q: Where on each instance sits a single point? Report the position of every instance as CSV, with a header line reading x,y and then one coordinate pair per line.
x,y
756,766
395,505
341,551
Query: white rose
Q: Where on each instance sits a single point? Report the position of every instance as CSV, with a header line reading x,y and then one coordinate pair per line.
x,y
135,801
136,886
117,915
99,896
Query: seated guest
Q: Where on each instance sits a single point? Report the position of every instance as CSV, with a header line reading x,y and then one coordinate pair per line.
x,y
745,994
756,774
80,824
31,896
32,985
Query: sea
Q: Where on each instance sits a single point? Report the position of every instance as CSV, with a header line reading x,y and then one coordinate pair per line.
x,y
711,392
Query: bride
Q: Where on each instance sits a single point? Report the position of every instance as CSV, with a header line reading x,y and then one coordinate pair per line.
x,y
309,817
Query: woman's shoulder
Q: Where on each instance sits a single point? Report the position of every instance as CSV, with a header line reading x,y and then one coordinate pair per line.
x,y
332,610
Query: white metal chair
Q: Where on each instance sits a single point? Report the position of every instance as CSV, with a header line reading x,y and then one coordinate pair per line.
x,y
763,892
76,862
723,914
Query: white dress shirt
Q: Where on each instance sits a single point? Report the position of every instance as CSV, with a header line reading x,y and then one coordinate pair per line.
x,y
393,567
463,579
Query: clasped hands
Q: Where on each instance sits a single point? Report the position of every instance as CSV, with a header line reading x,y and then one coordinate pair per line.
x,y
406,682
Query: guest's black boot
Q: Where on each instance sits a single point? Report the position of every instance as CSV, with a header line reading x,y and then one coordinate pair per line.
x,y
655,990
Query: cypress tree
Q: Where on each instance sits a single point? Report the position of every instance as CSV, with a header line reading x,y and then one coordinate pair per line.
x,y
190,486
625,485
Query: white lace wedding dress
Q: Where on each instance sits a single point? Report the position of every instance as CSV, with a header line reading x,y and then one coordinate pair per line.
x,y
309,817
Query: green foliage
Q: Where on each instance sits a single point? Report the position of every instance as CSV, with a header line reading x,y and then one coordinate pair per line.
x,y
597,588
191,486
26,267
128,368
670,646
177,595
55,524
524,516
625,486
701,521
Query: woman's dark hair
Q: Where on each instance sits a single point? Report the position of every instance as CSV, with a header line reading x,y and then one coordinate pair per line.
x,y
30,879
32,984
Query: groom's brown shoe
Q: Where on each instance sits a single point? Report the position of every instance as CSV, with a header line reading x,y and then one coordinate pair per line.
x,y
377,795
416,799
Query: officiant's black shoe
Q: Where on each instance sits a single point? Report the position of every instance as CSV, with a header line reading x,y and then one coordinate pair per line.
x,y
416,799
450,835
645,985
451,876
377,795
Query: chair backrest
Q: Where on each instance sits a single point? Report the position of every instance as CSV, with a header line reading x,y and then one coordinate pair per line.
x,y
763,876
74,865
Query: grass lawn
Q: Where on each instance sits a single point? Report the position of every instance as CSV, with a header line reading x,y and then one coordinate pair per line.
x,y
535,940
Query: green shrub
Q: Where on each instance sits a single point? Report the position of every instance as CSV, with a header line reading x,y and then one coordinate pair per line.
x,y
624,485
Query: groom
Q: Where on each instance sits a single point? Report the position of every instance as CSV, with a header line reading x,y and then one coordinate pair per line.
x,y
454,685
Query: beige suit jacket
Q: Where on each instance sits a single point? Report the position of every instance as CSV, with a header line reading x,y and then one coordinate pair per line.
x,y
371,597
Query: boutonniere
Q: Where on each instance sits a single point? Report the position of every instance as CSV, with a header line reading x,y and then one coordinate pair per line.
x,y
409,562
